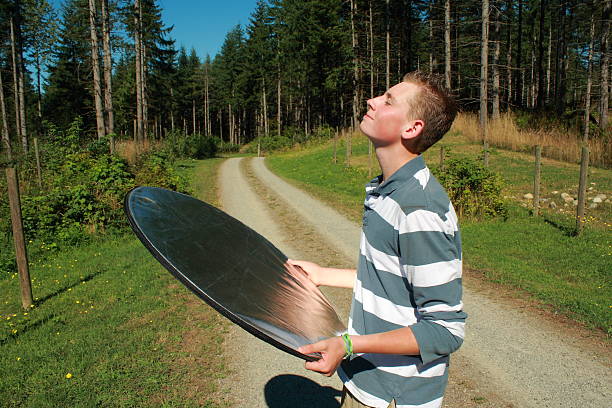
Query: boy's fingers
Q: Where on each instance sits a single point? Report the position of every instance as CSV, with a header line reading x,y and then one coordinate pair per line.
x,y
313,365
309,348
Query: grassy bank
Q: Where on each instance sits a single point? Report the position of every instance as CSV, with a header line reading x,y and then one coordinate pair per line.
x,y
537,256
110,327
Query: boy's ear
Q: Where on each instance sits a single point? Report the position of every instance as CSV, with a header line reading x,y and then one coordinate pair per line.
x,y
413,129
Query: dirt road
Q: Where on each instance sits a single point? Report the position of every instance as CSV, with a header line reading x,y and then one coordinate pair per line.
x,y
510,358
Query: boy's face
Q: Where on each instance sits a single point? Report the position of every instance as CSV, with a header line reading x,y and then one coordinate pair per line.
x,y
387,116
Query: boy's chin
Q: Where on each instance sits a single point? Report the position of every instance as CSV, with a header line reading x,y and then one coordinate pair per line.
x,y
363,130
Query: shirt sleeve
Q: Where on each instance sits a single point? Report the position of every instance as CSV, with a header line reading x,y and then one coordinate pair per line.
x,y
431,261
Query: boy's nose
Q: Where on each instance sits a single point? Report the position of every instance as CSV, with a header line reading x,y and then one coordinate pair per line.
x,y
371,103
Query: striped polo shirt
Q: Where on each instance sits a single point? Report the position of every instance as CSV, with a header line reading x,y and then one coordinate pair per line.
x,y
409,274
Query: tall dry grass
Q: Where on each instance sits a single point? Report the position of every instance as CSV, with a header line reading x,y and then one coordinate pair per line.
x,y
130,150
556,143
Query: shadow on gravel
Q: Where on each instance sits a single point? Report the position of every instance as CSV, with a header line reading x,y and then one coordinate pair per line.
x,y
299,392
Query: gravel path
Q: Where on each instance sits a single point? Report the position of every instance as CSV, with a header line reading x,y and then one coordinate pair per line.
x,y
511,357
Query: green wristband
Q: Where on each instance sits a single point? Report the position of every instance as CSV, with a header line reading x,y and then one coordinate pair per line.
x,y
348,345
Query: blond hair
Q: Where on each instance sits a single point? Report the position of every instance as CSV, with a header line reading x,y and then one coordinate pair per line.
x,y
433,104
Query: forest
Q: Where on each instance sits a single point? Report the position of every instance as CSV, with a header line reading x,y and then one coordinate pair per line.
x,y
296,67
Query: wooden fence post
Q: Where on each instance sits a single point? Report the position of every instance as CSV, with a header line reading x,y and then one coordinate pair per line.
x,y
584,167
536,181
37,154
336,147
349,135
21,253
370,157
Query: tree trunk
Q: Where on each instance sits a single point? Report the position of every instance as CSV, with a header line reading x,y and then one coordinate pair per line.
x,y
518,100
447,44
371,30
509,72
497,51
95,55
16,85
206,111
143,76
587,102
355,65
138,59
172,109
108,67
605,58
193,115
540,92
432,59
230,123
533,78
484,65
584,163
563,58
5,132
548,62
38,88
21,75
278,102
409,54
388,42
265,106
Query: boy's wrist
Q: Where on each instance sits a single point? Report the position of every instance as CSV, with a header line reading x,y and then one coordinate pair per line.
x,y
348,345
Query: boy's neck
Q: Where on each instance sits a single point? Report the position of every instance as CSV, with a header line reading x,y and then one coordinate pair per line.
x,y
392,158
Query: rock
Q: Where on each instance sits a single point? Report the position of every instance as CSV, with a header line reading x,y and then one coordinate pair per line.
x,y
555,192
567,198
593,205
528,196
575,202
553,205
597,200
590,189
601,196
565,205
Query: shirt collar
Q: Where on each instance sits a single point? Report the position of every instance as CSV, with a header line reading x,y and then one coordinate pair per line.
x,y
403,175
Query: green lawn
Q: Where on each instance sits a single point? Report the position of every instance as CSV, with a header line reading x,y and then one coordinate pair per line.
x,y
110,328
537,256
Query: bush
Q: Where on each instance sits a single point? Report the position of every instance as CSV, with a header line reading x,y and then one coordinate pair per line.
x,y
83,188
474,190
154,168
227,147
195,146
87,196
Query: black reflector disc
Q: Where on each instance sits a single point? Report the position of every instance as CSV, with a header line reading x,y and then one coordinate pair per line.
x,y
232,268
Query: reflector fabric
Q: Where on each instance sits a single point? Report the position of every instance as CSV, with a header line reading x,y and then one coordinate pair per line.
x,y
232,268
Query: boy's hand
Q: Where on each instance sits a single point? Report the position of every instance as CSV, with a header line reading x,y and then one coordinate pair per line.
x,y
332,353
313,270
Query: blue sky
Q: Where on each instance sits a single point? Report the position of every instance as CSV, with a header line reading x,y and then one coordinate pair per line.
x,y
201,24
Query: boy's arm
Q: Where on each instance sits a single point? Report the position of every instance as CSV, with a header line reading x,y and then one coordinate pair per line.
x,y
399,341
321,276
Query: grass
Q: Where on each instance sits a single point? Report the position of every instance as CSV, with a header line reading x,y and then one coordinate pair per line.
x,y
537,256
557,143
110,327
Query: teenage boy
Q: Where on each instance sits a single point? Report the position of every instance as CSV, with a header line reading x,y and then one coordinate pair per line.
x,y
406,315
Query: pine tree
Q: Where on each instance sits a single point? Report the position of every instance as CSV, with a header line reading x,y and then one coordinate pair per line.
x,y
67,94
